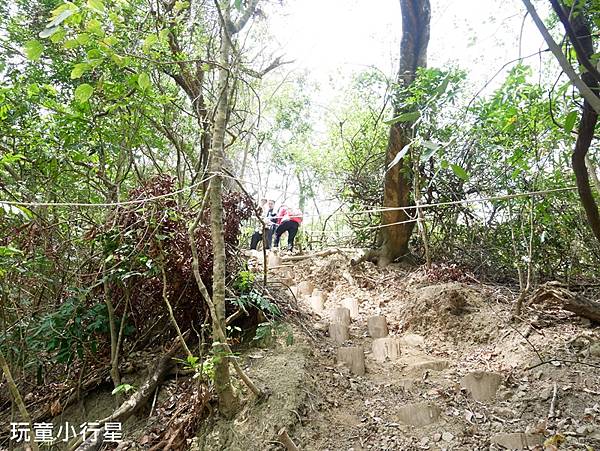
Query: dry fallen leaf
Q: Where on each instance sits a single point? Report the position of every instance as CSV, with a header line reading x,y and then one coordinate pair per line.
x,y
55,407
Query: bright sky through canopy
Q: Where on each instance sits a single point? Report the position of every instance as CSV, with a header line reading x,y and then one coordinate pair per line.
x,y
329,36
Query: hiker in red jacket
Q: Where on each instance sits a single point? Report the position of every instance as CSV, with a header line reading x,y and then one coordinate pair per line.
x,y
289,220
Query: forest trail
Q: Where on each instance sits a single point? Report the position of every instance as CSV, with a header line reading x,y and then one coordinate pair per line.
x,y
462,379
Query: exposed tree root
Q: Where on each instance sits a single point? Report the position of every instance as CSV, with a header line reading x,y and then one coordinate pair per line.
x,y
137,400
325,253
555,294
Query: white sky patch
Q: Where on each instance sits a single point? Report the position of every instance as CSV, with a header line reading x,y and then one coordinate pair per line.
x,y
333,38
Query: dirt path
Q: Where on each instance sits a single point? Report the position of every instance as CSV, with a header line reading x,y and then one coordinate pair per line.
x,y
461,380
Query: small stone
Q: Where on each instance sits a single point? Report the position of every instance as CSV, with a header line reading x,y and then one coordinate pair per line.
x,y
435,365
321,326
437,437
447,437
539,374
413,340
546,393
582,430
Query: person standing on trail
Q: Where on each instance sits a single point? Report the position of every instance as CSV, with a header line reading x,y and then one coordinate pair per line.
x,y
268,225
288,220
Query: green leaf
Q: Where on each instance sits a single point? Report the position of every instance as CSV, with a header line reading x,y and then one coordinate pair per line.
x,y
9,251
33,49
94,26
110,41
71,44
122,388
79,70
83,92
82,38
425,156
96,5
163,35
58,36
61,17
430,145
570,121
459,172
180,5
441,89
405,117
143,81
150,40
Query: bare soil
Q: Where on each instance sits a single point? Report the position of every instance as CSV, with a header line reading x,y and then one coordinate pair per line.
x,y
449,329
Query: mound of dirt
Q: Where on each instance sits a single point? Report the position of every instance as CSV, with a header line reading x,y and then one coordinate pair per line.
x,y
283,372
451,310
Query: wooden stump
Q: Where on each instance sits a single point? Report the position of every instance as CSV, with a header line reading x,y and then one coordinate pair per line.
x,y
354,358
317,303
377,326
257,255
352,305
305,287
273,260
341,315
386,348
338,333
320,293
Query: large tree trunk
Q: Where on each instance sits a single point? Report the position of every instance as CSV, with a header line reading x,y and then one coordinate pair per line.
x,y
416,15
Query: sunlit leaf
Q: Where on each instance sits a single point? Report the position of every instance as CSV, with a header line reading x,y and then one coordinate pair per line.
x,y
83,92
79,70
150,40
97,5
459,172
143,81
94,26
570,121
33,49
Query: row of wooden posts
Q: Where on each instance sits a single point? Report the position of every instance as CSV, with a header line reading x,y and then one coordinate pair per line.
x,y
383,346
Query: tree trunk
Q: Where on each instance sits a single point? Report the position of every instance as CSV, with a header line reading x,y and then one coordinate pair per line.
x,y
579,31
416,16
227,400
